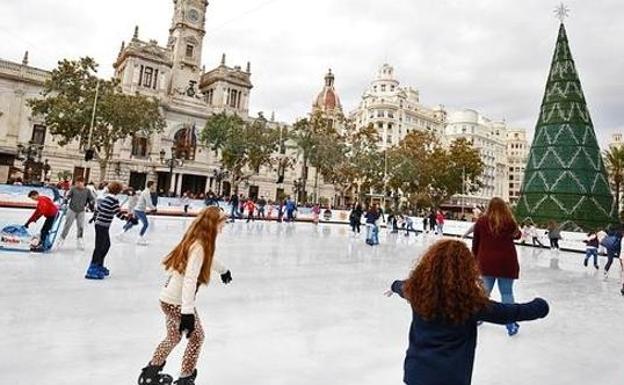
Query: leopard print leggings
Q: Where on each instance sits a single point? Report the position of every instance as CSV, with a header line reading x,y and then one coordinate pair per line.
x,y
173,317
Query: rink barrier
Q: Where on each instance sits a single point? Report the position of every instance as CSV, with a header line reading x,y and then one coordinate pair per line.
x,y
12,196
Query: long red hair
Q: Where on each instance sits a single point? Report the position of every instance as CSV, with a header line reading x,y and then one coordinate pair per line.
x,y
445,285
204,231
499,216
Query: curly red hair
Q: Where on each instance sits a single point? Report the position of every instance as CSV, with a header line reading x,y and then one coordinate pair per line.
x,y
445,285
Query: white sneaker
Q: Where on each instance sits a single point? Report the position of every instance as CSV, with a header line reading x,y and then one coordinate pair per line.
x,y
142,241
80,244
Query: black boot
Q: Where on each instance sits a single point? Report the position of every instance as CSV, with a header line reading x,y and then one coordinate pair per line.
x,y
150,375
190,380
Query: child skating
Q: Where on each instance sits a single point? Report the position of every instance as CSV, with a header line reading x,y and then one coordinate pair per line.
x,y
591,248
45,208
190,265
447,301
142,204
107,209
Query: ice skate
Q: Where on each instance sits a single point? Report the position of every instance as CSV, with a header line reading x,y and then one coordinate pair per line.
x,y
190,380
142,241
512,329
152,375
94,273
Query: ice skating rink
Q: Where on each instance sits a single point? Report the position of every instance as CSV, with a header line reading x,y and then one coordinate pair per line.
x,y
305,308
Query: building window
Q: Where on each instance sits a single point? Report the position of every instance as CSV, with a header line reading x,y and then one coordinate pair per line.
x,y
148,77
139,146
380,113
190,50
209,96
234,99
391,114
38,135
383,88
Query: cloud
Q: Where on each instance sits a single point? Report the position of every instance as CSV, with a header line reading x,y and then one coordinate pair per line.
x,y
492,55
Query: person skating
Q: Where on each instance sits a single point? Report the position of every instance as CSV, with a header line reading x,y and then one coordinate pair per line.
x,y
432,221
554,235
439,223
355,218
494,248
139,210
107,209
262,207
250,207
291,207
234,208
190,265
409,225
47,209
372,218
591,249
532,230
447,302
612,242
316,214
78,198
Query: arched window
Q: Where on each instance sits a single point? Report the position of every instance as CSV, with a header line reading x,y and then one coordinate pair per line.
x,y
185,143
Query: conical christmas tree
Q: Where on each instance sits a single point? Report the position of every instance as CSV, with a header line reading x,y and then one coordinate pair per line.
x,y
565,179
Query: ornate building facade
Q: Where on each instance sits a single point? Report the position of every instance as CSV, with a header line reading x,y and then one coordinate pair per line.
x,y
396,110
517,156
490,138
188,96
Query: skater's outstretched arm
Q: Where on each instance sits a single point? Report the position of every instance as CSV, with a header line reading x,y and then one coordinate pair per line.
x,y
502,314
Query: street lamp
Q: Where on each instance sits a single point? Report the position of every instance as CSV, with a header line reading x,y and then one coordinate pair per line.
x,y
171,162
298,186
220,175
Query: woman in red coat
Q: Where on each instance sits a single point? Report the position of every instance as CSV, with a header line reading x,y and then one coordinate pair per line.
x,y
493,246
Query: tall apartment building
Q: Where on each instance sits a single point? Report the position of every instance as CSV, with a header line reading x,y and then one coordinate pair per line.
x,y
490,138
396,110
517,157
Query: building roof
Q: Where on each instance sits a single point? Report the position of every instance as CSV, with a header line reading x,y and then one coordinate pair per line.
x,y
328,100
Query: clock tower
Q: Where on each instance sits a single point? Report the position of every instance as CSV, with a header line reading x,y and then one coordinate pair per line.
x,y
186,37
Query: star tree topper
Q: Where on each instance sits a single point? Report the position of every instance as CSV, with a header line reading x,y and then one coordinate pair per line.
x,y
561,12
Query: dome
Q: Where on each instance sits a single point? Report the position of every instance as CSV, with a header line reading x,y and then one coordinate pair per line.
x,y
328,99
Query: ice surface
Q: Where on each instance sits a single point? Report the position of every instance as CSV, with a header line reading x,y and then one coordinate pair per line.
x,y
305,308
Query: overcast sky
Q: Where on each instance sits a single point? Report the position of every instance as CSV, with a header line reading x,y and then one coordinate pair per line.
x,y
491,55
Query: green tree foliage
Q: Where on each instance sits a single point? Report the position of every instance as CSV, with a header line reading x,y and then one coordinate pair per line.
x,y
420,167
614,162
244,146
67,108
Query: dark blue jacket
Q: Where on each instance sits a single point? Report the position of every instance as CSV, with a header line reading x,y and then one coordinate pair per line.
x,y
443,354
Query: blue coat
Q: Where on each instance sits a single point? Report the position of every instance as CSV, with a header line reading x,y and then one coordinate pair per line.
x,y
443,354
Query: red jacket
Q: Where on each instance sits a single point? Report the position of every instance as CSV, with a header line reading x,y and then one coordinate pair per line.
x,y
440,218
496,253
45,208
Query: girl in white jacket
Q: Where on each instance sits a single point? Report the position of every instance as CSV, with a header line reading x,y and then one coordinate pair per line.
x,y
190,265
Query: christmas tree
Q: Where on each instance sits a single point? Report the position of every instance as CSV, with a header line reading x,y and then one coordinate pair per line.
x,y
565,178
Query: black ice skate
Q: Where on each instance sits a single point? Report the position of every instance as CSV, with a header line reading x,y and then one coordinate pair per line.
x,y
150,375
190,380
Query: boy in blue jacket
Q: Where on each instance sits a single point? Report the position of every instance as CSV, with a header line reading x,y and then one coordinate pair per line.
x,y
443,334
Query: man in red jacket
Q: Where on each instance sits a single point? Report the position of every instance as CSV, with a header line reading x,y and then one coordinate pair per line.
x,y
45,208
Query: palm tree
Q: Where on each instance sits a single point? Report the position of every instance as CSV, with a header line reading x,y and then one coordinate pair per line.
x,y
614,161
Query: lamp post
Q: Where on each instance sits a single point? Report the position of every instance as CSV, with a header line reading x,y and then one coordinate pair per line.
x,y
220,175
298,186
171,162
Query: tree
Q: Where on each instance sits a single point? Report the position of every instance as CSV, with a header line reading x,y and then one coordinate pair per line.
x,y
67,107
244,146
315,138
614,162
424,170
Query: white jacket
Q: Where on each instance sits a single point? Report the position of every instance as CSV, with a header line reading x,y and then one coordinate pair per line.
x,y
145,201
181,289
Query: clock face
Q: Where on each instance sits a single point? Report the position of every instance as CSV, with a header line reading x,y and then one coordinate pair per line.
x,y
193,16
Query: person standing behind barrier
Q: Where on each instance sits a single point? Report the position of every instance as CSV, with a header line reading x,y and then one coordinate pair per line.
x,y
291,207
79,197
493,246
261,207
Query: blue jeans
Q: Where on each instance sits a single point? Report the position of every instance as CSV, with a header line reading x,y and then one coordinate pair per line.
x,y
591,252
140,215
505,286
372,233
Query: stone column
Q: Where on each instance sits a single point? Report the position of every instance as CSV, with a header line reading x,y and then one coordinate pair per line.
x,y
179,186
